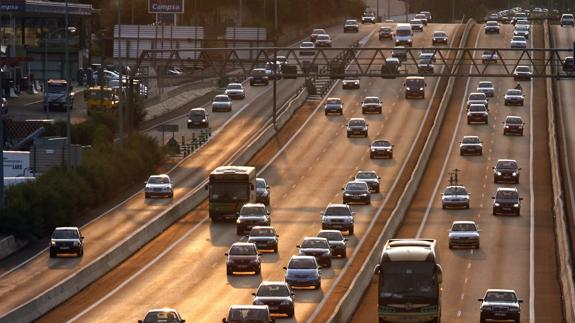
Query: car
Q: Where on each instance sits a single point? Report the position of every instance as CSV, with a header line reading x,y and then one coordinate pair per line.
x,y
522,72
477,113
506,171
278,296
477,98
507,201
513,125
463,234
385,32
338,217
315,33
264,237
514,97
161,315
303,271
357,127
521,30
337,243
350,25
414,87
350,82
486,87
568,64
251,215
403,34
439,37
427,14
318,248
259,76
470,145
273,70
371,104
455,196
391,67
281,61
500,304
158,186
489,56
323,41
428,53
399,52
243,257
416,24
425,66
198,118
248,314
491,27
567,19
333,106
381,148
235,91
368,17
262,191
66,240
422,17
356,192
306,48
222,103
370,178
518,42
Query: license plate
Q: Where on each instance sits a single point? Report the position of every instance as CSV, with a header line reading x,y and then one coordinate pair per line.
x,y
355,197
242,266
64,248
499,314
274,308
506,208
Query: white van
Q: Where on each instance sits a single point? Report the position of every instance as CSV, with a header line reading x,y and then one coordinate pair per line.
x,y
403,35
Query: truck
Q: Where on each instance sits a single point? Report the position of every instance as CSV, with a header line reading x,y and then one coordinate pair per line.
x,y
409,281
229,188
16,163
403,35
58,94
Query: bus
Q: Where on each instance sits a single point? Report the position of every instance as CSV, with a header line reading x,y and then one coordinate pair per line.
x,y
409,281
229,188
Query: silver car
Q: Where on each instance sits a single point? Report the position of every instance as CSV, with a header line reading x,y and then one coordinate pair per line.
x,y
235,91
514,97
486,87
470,145
159,185
464,234
455,196
222,103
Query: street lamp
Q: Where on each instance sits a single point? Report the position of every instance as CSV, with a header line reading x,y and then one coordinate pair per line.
x,y
46,38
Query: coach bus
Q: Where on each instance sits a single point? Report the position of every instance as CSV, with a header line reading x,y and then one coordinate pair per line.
x,y
229,188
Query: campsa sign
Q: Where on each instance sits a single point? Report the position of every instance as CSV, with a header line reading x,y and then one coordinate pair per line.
x,y
166,6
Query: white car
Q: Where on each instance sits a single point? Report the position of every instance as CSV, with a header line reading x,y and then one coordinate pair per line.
x,y
521,30
491,27
455,197
416,24
489,56
368,17
222,102
159,186
323,40
470,145
518,42
235,91
486,87
464,234
567,19
306,48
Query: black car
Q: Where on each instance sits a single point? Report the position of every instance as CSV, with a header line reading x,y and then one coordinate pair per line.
x,y
66,240
243,257
477,113
568,64
399,52
278,296
356,192
385,33
370,178
514,97
414,87
262,191
500,305
506,171
371,104
381,148
198,118
333,106
264,237
259,76
357,127
391,68
338,217
425,66
439,37
513,125
318,248
507,201
337,242
251,215
470,145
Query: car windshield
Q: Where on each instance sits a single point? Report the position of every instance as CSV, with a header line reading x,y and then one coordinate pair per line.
x,y
455,191
356,187
518,38
323,37
301,263
262,232
333,101
414,83
522,69
514,120
471,140
260,183
252,210
158,180
159,317
337,210
306,44
421,16
331,235
279,290
463,227
371,100
314,243
403,32
522,27
491,23
506,195
385,29
65,234
485,85
514,92
489,53
248,315
243,250
221,99
234,86
439,34
500,297
415,22
197,113
318,31
351,21
381,143
477,108
477,97
356,123
56,87
506,164
258,72
366,175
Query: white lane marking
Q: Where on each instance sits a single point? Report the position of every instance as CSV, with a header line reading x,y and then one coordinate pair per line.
x,y
532,211
32,103
440,178
462,296
459,313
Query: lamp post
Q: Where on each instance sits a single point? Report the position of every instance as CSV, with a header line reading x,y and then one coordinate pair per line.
x,y
68,102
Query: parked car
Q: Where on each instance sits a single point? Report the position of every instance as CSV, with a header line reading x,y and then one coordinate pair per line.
x,y
243,257
158,186
66,240
464,234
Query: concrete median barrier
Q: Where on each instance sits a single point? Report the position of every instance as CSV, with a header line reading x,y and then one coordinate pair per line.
x,y
348,304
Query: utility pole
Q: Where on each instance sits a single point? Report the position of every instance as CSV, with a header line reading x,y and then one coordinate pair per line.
x,y
388,9
1,117
68,101
121,80
377,10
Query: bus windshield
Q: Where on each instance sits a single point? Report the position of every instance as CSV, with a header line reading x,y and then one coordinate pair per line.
x,y
408,281
229,192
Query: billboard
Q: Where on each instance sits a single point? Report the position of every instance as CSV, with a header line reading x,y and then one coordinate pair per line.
x,y
165,6
12,5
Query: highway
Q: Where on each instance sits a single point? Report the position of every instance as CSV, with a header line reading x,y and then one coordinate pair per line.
x,y
184,267
515,251
39,273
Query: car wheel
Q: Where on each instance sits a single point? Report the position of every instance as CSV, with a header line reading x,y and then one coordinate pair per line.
x,y
171,195
371,156
450,246
318,286
506,103
477,246
328,263
467,206
350,231
461,153
229,271
377,189
326,113
52,253
276,249
147,196
344,254
391,156
494,213
468,122
348,135
504,133
290,313
259,271
443,206
239,231
521,133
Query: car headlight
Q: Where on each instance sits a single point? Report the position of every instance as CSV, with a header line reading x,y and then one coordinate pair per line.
x,y
346,194
255,261
372,150
52,243
408,89
364,194
204,120
324,220
76,243
514,174
238,221
506,127
515,205
421,89
513,309
285,302
496,204
498,173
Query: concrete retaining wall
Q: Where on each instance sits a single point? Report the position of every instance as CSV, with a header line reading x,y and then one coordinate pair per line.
x,y
9,245
360,284
562,243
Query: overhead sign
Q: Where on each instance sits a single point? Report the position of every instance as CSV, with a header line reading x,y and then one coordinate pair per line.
x,y
165,6
12,5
